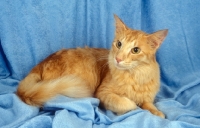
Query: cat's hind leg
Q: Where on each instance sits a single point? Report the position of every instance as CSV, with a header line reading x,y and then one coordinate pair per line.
x,y
152,108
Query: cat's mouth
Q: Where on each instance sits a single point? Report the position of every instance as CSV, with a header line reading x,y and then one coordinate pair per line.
x,y
122,65
125,65
119,66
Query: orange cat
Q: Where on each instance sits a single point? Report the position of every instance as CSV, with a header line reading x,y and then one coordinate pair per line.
x,y
123,77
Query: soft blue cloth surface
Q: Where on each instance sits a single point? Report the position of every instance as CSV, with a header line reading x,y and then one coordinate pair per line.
x,y
30,30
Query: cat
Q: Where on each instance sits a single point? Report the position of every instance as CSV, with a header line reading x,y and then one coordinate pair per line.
x,y
122,78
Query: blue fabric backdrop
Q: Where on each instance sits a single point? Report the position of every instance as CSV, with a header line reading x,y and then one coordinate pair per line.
x,y
30,30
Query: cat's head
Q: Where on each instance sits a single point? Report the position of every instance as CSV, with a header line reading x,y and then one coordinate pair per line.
x,y
131,48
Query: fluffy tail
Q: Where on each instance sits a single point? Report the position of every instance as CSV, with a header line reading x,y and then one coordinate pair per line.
x,y
35,92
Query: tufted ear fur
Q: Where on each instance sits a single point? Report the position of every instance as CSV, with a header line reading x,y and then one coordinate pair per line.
x,y
155,39
120,26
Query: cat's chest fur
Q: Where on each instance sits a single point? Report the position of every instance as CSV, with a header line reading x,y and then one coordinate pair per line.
x,y
140,84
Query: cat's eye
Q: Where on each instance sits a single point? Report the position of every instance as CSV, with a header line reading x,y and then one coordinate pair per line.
x,y
135,50
118,44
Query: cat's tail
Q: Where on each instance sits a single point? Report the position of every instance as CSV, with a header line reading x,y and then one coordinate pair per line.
x,y
35,92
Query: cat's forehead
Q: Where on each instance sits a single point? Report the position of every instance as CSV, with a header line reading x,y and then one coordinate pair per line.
x,y
133,37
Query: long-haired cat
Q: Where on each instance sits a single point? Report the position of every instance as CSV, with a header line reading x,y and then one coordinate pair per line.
x,y
124,77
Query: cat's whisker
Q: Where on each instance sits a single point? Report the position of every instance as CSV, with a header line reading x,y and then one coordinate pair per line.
x,y
104,65
130,70
102,58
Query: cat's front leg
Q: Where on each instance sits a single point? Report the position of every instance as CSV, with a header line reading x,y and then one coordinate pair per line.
x,y
152,108
116,103
125,105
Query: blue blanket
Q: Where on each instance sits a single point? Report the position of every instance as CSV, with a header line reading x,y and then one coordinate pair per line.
x,y
30,30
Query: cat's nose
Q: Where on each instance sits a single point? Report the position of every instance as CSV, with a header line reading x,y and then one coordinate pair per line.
x,y
118,60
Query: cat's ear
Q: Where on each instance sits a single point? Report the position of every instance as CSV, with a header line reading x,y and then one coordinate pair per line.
x,y
120,26
155,39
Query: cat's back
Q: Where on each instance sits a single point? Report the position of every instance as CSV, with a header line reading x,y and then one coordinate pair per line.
x,y
83,53
77,54
82,62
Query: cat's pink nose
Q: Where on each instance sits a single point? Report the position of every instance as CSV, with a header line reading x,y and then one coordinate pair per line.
x,y
118,60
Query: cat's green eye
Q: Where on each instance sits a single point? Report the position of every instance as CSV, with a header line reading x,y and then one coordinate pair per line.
x,y
118,44
135,50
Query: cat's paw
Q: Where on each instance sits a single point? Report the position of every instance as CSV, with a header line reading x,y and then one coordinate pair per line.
x,y
125,106
158,113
